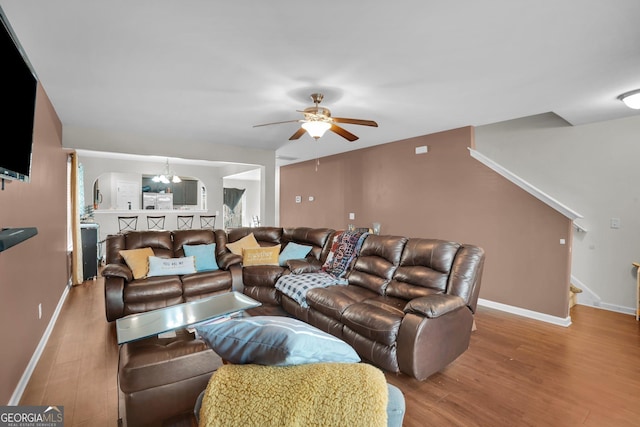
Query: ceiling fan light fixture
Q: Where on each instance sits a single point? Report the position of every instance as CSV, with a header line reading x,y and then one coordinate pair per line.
x,y
631,99
316,128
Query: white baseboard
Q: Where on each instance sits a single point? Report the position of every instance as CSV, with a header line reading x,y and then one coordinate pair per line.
x,y
526,313
590,298
26,376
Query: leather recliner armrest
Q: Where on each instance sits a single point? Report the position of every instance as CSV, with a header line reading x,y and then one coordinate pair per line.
x,y
228,259
433,306
117,270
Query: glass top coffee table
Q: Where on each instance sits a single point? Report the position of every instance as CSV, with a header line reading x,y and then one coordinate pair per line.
x,y
143,325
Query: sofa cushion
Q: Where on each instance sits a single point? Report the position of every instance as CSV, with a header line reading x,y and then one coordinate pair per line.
x,y
191,237
205,256
424,268
376,319
171,266
261,275
318,238
205,283
293,250
301,266
147,292
138,261
260,256
265,236
274,340
248,241
334,300
160,241
377,262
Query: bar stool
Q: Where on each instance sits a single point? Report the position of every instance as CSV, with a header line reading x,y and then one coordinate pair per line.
x,y
185,222
208,221
127,223
155,222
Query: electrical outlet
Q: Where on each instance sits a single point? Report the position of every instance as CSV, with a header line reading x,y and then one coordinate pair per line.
x,y
298,199
614,223
352,215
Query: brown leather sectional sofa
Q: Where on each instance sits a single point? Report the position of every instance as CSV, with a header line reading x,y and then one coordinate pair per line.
x,y
408,306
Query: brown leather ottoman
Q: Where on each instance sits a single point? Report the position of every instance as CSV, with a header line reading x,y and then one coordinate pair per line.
x,y
160,378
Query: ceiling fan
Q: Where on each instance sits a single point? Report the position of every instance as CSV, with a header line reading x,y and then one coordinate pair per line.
x,y
317,120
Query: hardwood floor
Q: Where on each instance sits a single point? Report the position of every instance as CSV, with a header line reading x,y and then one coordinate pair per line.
x,y
517,371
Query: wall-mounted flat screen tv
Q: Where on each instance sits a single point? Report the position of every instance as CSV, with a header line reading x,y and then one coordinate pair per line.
x,y
17,106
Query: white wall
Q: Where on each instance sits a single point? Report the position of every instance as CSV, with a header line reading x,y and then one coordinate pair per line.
x,y
593,169
236,158
94,167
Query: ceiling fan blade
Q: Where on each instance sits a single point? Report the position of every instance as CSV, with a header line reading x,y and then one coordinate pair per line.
x,y
276,123
298,134
343,132
355,121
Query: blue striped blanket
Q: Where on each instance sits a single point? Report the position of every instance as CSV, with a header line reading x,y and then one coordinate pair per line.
x,y
296,286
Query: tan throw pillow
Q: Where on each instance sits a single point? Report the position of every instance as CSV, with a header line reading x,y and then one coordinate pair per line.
x,y
267,255
138,261
246,242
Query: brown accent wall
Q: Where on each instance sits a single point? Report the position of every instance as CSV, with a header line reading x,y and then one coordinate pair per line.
x,y
34,271
445,194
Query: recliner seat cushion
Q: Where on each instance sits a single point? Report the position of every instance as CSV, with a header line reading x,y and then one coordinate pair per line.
x,y
375,319
206,282
261,275
334,300
153,288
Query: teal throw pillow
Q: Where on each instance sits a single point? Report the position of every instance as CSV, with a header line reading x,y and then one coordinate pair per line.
x,y
205,256
274,340
293,251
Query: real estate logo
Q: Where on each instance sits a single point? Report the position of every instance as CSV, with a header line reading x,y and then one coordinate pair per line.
x,y
31,416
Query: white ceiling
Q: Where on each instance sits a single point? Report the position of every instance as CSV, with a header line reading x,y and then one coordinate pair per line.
x,y
210,70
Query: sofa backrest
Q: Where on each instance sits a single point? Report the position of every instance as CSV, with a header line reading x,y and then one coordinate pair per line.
x,y
265,236
466,274
221,242
160,241
424,269
114,243
191,237
430,266
318,238
377,261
